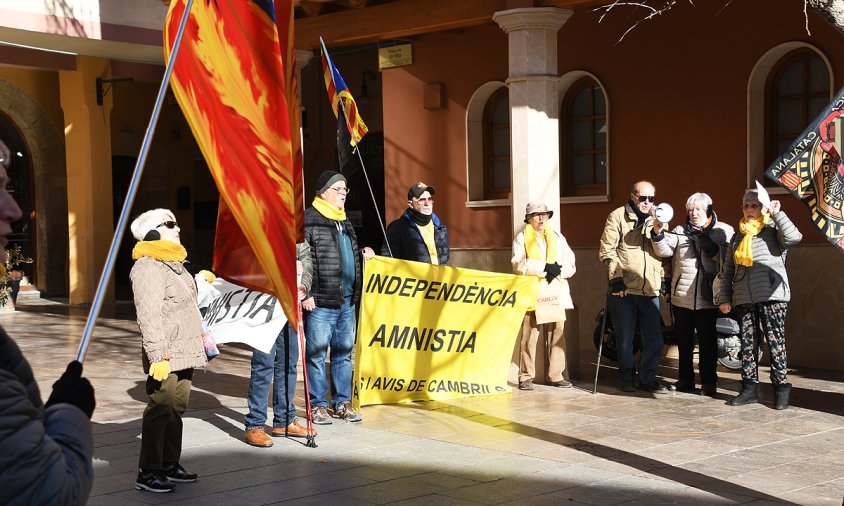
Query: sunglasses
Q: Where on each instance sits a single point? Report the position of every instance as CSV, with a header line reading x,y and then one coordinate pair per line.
x,y
169,224
643,198
428,199
750,205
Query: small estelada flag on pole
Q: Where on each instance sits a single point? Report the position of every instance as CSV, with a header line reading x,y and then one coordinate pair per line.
x,y
339,93
812,169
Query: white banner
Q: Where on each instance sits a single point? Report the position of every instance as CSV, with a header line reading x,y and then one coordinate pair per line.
x,y
236,314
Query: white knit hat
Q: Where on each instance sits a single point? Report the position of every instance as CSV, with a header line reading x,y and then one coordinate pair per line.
x,y
149,221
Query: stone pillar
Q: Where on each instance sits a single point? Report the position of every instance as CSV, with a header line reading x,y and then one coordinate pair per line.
x,y
89,187
534,107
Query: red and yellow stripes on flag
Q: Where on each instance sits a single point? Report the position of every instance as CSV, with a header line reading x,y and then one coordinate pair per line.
x,y
230,82
338,92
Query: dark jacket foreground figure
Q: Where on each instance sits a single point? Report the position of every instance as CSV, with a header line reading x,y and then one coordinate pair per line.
x,y
45,452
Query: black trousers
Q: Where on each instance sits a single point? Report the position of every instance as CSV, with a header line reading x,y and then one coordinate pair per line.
x,y
161,428
686,321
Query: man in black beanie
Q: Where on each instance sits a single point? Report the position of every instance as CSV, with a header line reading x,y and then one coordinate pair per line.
x,y
418,234
335,289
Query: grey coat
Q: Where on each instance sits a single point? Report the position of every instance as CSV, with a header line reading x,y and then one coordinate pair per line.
x,y
45,455
766,280
692,270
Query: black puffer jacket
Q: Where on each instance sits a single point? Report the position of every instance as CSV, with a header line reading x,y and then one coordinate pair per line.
x,y
406,241
46,454
323,236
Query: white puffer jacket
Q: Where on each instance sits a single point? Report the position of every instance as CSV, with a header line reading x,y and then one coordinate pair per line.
x,y
692,270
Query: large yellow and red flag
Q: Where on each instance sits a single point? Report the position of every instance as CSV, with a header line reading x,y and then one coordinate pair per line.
x,y
230,81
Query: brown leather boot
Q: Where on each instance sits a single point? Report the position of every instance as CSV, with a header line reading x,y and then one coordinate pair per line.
x,y
257,437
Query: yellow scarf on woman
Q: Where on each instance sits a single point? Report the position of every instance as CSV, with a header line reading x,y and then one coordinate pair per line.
x,y
329,211
532,246
750,229
160,250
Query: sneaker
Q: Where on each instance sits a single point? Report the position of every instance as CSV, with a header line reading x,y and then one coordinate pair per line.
x,y
563,383
177,474
654,387
153,481
526,385
628,386
682,386
295,429
345,411
320,416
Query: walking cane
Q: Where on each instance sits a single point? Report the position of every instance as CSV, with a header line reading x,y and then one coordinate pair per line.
x,y
600,346
310,440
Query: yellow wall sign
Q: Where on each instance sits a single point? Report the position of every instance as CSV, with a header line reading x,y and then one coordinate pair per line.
x,y
432,332
395,56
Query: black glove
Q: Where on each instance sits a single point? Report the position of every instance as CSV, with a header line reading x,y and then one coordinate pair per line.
x,y
617,285
552,271
72,388
665,287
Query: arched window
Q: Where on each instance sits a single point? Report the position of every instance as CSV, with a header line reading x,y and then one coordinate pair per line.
x,y
796,92
496,125
583,140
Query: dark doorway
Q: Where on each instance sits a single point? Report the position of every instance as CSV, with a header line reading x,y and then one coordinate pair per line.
x,y
122,168
21,187
360,208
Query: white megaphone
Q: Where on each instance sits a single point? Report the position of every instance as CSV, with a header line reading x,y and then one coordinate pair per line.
x,y
663,213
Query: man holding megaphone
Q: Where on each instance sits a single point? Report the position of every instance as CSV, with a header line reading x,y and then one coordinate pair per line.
x,y
637,278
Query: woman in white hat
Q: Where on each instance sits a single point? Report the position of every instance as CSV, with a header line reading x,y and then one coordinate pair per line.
x,y
540,251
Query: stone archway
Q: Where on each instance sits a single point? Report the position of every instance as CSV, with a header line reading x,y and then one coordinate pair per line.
x,y
47,149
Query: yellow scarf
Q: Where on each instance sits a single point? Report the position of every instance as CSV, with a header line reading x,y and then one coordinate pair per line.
x,y
329,211
165,251
532,246
744,252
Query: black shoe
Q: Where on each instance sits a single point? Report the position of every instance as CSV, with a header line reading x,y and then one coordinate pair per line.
x,y
654,387
746,396
708,390
628,386
153,481
682,386
177,474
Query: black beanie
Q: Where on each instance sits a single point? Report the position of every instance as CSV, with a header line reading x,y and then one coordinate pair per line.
x,y
326,179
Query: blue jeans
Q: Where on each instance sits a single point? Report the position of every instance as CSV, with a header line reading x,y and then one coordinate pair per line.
x,y
335,327
279,367
626,312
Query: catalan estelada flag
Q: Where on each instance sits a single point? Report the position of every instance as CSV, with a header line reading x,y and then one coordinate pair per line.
x,y
339,93
812,169
230,81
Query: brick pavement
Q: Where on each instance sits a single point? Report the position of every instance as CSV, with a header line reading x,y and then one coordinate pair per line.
x,y
541,447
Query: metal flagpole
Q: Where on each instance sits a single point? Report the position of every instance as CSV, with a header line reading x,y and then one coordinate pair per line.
x,y
96,305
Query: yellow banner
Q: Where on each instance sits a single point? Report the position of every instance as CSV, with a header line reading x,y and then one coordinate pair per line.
x,y
432,332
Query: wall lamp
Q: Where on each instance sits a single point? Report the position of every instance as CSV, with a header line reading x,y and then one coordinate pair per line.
x,y
101,93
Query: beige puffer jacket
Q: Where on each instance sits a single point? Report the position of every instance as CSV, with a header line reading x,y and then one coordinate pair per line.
x,y
627,252
165,300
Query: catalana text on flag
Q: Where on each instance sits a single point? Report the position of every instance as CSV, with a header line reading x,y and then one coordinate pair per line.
x,y
812,169
338,92
432,332
229,80
236,314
